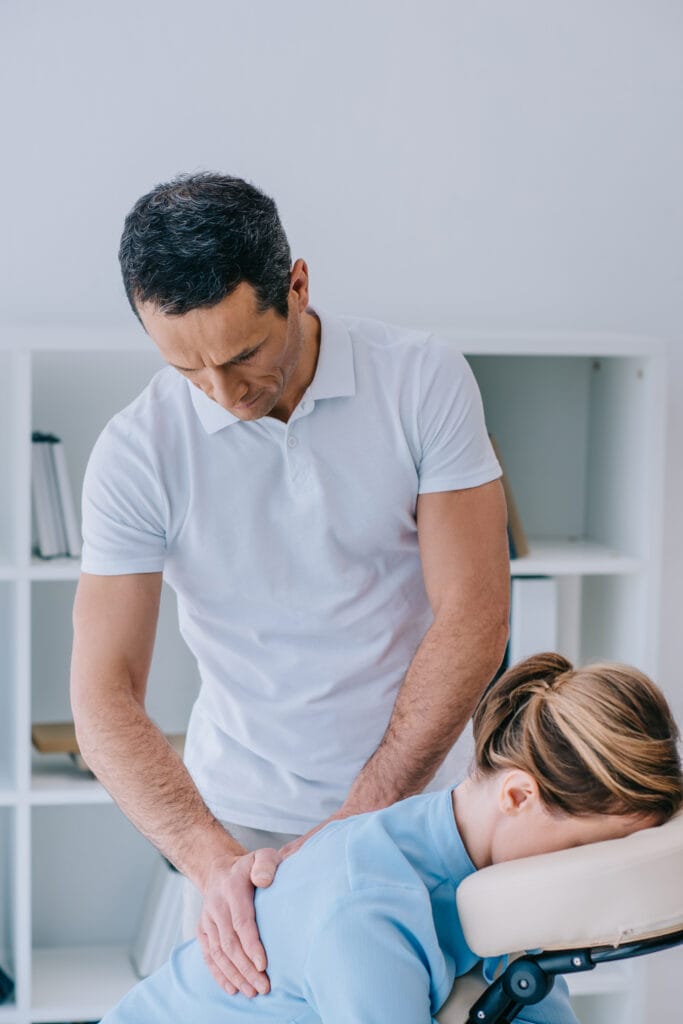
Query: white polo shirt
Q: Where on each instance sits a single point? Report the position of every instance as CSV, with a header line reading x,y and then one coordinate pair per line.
x,y
293,552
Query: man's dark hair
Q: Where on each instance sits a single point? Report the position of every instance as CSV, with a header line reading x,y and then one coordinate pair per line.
x,y
193,240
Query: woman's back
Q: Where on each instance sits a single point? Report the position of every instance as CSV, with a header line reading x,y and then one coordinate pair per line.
x,y
360,925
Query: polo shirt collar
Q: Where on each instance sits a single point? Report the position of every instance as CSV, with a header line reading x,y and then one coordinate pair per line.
x,y
334,375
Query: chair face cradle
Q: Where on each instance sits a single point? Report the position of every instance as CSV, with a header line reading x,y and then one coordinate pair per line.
x,y
586,906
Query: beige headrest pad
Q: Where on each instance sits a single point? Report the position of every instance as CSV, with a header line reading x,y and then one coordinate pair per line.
x,y
601,894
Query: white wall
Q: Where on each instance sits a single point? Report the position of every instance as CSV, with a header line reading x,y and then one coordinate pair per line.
x,y
490,164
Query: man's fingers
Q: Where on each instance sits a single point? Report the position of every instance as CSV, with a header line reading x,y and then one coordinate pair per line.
x,y
264,867
244,924
217,974
289,848
228,933
228,960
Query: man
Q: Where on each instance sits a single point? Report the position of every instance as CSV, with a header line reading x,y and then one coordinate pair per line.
x,y
321,494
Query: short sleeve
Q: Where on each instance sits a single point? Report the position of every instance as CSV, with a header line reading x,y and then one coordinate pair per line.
x,y
366,965
456,452
123,507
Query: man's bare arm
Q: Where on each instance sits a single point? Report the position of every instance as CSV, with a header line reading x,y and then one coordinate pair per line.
x,y
465,562
115,621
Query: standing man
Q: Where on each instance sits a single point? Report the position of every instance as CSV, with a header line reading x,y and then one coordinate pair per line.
x,y
321,494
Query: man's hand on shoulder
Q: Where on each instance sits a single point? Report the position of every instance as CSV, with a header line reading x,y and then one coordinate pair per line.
x,y
227,929
289,848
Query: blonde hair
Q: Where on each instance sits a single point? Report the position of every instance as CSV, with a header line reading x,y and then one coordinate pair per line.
x,y
597,740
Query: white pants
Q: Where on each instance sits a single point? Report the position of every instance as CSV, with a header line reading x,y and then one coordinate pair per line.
x,y
251,839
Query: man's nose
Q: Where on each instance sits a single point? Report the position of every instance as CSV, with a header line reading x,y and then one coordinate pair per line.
x,y
226,385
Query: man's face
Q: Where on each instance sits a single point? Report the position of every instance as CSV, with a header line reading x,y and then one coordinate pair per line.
x,y
246,361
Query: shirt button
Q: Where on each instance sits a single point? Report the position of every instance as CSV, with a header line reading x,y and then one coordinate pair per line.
x,y
292,441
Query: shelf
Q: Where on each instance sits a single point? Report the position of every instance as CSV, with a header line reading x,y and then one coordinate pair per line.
x,y
8,572
55,568
8,1013
58,782
573,558
547,558
79,982
553,343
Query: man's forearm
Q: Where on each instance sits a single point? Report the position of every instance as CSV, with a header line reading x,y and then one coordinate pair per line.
x,y
149,782
445,679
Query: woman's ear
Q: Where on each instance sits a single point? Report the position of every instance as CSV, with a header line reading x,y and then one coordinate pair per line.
x,y
518,793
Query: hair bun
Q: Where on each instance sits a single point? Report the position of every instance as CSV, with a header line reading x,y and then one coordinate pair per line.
x,y
604,744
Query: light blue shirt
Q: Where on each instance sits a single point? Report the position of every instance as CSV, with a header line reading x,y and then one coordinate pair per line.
x,y
360,927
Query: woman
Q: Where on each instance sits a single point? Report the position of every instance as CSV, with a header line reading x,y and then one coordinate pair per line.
x,y
361,925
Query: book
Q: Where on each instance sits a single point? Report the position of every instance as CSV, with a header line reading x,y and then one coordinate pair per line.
x,y
160,926
57,528
517,540
72,530
60,738
45,513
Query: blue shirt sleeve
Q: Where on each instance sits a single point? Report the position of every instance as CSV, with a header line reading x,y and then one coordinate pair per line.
x,y
373,960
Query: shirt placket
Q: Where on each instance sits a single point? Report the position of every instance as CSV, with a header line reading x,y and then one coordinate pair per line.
x,y
296,455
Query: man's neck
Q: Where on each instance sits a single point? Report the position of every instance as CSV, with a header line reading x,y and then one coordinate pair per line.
x,y
305,371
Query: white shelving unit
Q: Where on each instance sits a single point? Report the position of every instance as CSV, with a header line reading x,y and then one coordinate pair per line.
x,y
579,420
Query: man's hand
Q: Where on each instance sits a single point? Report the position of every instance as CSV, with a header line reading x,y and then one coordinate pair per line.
x,y
289,848
227,929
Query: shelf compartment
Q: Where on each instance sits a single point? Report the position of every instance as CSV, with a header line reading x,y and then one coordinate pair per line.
x,y
54,780
89,876
579,443
66,401
79,982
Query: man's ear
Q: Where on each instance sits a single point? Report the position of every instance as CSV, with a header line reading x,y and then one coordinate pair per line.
x,y
298,284
518,792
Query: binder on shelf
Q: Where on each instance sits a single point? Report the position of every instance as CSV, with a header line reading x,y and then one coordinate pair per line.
x,y
533,617
74,543
43,505
160,927
60,738
57,530
517,540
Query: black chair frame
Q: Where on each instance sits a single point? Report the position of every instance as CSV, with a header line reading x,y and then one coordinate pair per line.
x,y
528,979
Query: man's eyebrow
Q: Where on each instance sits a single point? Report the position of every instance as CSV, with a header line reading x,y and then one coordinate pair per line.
x,y
235,359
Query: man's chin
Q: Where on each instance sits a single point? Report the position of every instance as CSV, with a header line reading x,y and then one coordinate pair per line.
x,y
261,407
